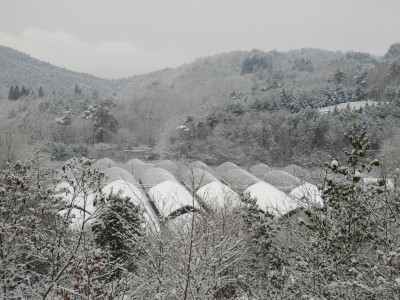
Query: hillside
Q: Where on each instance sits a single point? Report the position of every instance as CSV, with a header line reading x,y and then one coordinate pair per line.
x,y
244,76
242,106
17,68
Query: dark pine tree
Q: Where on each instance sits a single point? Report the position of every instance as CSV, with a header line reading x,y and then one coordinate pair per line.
x,y
118,230
77,89
11,93
24,91
40,92
17,93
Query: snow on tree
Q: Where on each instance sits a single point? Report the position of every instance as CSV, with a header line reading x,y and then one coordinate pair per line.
x,y
102,119
335,243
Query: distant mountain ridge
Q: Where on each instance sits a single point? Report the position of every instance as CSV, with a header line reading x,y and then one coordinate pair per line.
x,y
209,78
17,68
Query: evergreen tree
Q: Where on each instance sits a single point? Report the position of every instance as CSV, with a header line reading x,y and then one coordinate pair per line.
x,y
102,119
393,51
24,91
265,262
338,77
11,93
289,101
335,110
361,78
118,232
77,89
17,93
40,92
343,232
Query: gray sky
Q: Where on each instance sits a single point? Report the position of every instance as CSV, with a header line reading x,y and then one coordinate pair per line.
x,y
119,38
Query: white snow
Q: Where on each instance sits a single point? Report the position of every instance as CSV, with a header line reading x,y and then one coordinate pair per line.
x,y
307,194
260,169
82,207
397,280
374,181
282,180
165,162
198,177
334,163
155,176
127,189
169,196
115,173
240,177
88,203
104,163
271,199
226,166
182,224
199,165
135,162
217,194
353,105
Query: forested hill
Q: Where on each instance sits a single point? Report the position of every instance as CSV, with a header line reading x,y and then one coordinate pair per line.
x,y
215,77
293,80
224,103
207,79
242,106
17,68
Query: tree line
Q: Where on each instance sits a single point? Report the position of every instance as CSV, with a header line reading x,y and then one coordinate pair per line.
x,y
15,93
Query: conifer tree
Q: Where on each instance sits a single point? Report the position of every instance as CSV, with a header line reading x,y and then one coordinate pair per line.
x,y
119,220
265,262
16,93
77,89
338,77
11,93
342,233
40,92
24,91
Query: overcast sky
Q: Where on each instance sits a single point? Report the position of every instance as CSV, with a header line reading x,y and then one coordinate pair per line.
x,y
119,38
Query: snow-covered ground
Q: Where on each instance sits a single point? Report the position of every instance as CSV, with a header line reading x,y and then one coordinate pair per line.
x,y
353,105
